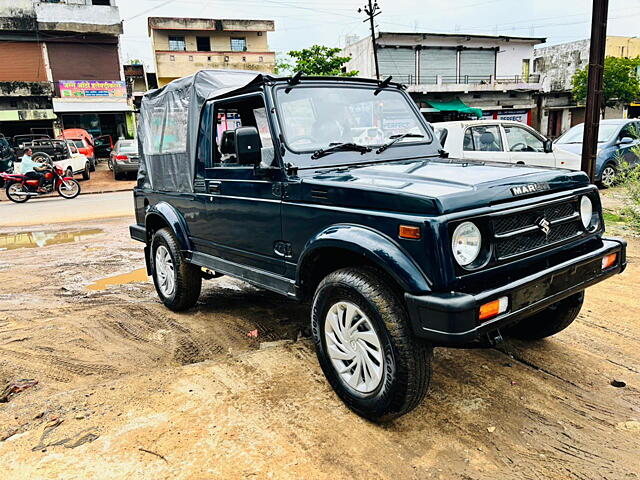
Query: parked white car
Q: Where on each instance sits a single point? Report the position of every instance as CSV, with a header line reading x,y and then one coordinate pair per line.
x,y
503,141
63,153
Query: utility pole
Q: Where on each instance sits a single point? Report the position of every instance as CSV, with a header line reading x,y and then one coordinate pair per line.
x,y
372,10
595,85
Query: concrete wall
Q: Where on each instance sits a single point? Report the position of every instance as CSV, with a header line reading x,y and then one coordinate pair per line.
x,y
220,41
558,64
626,47
79,18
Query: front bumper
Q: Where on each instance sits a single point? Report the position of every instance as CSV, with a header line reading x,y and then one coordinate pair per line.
x,y
452,318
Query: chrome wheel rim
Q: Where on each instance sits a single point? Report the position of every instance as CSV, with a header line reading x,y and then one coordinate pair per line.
x,y
68,189
608,176
165,271
354,347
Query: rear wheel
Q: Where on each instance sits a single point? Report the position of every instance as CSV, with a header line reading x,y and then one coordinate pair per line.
x,y
86,173
177,282
365,346
549,321
92,164
16,192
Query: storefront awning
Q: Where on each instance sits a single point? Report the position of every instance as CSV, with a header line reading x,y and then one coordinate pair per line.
x,y
26,115
455,105
64,105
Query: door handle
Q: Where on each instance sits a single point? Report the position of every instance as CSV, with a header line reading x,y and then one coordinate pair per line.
x,y
214,187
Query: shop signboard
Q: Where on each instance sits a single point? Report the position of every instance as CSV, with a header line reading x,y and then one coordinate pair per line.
x,y
92,88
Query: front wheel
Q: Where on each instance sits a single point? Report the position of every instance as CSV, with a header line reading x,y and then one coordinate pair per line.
x,y
365,346
69,189
177,282
17,192
609,176
549,321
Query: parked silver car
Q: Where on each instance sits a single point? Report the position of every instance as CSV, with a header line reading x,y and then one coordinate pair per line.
x,y
124,158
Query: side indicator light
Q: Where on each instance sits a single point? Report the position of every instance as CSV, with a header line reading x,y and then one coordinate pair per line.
x,y
493,308
412,233
609,260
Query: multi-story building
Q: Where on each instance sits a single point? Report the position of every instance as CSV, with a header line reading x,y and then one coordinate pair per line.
x,y
182,46
454,76
557,65
60,68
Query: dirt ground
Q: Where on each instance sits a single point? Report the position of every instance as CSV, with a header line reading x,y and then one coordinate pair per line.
x,y
128,389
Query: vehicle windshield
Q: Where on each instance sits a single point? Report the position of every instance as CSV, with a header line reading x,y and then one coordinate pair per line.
x,y
128,147
575,134
78,143
314,118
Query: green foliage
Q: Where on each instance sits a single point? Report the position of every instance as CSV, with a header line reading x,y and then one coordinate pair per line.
x,y
621,82
629,178
319,60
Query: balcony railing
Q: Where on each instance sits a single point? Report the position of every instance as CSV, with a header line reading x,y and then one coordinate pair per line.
x,y
464,79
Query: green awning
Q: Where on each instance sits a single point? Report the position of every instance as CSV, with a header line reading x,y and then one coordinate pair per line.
x,y
455,105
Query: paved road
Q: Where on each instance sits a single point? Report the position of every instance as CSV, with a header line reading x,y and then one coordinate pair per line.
x,y
55,209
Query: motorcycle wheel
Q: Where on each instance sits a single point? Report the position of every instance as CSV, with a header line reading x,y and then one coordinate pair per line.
x,y
13,190
69,189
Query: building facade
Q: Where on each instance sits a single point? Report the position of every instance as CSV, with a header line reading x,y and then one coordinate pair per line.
x,y
453,76
183,46
60,68
557,64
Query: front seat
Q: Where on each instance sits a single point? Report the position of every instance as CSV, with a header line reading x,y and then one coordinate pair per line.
x,y
488,142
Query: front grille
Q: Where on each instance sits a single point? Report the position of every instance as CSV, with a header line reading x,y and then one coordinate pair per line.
x,y
518,233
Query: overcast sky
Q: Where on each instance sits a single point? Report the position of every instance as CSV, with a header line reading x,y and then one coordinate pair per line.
x,y
300,24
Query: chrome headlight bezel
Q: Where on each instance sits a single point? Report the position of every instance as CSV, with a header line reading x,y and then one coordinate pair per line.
x,y
467,236
588,214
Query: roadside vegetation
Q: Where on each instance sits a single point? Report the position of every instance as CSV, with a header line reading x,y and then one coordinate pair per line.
x,y
628,187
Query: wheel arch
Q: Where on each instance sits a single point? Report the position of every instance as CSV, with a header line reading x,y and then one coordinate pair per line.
x,y
346,245
163,215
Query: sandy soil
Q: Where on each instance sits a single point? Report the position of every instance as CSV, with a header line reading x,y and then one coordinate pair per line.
x,y
128,389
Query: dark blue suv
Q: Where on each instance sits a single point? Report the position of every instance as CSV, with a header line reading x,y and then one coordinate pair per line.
x,y
336,192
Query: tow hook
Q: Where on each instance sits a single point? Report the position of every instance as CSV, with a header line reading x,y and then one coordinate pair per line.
x,y
495,338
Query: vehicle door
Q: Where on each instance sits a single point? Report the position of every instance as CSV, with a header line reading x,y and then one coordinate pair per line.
x,y
244,223
526,146
484,142
630,150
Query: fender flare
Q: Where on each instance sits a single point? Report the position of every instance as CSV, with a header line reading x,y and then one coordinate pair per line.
x,y
170,216
373,245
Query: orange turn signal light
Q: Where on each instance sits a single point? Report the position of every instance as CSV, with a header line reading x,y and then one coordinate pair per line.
x,y
412,233
609,260
493,308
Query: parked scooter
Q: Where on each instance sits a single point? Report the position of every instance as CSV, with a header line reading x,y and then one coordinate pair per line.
x,y
19,188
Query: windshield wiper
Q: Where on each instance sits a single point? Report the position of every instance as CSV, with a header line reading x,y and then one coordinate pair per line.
x,y
340,147
396,138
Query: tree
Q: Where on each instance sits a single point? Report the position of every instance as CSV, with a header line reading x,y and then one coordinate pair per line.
x,y
621,82
319,60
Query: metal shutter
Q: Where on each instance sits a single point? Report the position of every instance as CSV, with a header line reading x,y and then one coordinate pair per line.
x,y
22,61
437,61
477,64
84,61
397,62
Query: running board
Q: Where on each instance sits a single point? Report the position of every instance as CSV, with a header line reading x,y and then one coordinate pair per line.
x,y
254,276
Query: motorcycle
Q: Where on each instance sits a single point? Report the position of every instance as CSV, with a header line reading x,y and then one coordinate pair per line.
x,y
19,188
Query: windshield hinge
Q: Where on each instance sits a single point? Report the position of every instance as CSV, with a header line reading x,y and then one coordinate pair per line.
x,y
280,190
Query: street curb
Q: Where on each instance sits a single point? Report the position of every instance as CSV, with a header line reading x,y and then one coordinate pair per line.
x,y
107,191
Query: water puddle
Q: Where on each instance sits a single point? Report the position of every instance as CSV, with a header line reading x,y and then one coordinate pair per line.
x,y
14,241
139,275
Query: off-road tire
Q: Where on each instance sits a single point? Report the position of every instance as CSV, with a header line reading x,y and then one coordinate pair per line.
x,y
549,321
188,281
86,173
407,360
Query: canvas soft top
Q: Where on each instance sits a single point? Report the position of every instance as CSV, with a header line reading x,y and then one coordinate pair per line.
x,y
168,126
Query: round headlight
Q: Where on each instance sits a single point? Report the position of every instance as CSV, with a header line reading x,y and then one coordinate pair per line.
x,y
586,212
466,243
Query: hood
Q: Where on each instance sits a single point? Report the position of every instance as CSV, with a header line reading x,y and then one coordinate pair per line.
x,y
430,186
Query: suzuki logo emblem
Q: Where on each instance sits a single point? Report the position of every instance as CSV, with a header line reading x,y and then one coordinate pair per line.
x,y
544,225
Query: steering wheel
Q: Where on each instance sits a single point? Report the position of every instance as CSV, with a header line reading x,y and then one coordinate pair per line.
x,y
523,146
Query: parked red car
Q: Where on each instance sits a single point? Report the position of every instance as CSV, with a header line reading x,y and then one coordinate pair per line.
x,y
85,143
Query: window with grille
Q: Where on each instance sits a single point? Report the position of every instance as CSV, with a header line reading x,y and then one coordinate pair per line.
x,y
177,44
238,44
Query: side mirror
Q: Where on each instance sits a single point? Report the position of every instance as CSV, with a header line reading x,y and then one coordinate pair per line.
x,y
626,141
548,146
248,145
